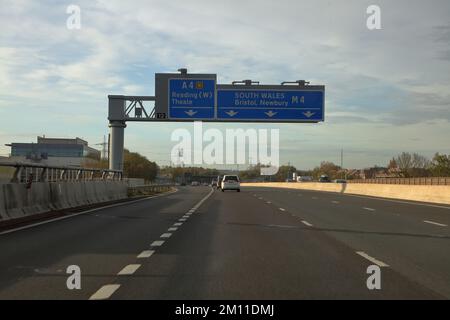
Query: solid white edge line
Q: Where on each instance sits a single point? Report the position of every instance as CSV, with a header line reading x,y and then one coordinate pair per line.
x,y
372,259
146,254
85,212
105,292
129,269
435,223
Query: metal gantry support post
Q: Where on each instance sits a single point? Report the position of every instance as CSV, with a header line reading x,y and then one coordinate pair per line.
x,y
117,144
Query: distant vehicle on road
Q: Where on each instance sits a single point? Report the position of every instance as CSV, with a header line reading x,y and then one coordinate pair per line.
x,y
324,178
290,180
304,179
231,182
195,183
340,181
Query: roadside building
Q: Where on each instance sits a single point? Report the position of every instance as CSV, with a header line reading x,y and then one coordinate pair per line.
x,y
55,152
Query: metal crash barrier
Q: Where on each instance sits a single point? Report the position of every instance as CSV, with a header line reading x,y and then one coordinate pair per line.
x,y
29,172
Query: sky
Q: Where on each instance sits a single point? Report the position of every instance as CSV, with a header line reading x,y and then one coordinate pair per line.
x,y
387,90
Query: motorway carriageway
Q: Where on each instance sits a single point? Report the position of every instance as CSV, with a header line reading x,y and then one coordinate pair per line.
x,y
261,243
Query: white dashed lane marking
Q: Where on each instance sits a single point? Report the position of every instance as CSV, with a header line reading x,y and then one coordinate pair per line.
x,y
368,209
166,235
335,202
146,254
282,209
105,292
157,243
129,269
182,219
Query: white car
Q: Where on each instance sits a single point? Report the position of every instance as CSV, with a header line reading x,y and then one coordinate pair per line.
x,y
231,182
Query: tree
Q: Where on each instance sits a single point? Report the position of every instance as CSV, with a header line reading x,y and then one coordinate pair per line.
x,y
138,166
412,165
135,165
178,173
440,166
285,172
420,166
327,168
404,162
253,172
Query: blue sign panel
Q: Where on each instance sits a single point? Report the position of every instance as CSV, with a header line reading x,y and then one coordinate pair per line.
x,y
192,99
270,105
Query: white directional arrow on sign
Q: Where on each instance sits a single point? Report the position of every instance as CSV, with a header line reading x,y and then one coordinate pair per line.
x,y
190,113
308,114
231,113
270,113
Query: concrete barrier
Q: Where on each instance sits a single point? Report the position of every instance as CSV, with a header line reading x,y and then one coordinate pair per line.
x,y
16,201
423,193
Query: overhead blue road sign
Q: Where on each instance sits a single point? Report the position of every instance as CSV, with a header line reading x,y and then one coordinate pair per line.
x,y
304,104
192,99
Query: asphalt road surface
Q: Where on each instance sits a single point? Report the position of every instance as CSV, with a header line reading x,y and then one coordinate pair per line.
x,y
260,243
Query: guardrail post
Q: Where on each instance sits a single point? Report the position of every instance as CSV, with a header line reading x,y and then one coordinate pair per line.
x,y
79,173
42,176
17,173
62,174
